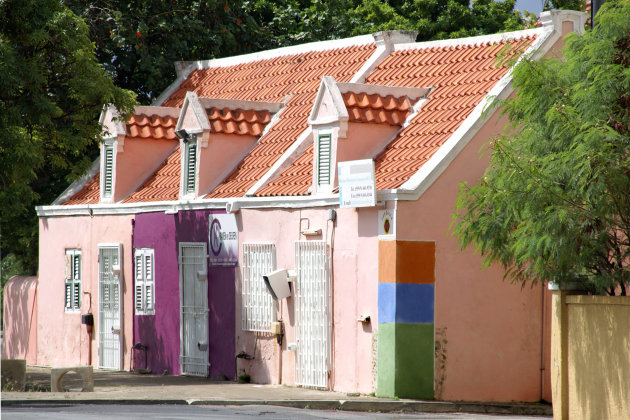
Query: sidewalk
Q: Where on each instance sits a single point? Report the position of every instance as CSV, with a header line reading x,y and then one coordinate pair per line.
x,y
131,388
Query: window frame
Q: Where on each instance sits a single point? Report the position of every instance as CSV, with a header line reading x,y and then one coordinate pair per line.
x,y
72,281
145,286
189,181
107,186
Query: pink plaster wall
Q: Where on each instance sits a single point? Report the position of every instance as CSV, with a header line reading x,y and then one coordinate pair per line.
x,y
61,338
139,159
492,328
354,285
20,319
219,159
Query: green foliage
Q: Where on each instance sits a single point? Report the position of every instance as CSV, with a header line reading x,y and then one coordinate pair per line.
x,y
51,92
554,204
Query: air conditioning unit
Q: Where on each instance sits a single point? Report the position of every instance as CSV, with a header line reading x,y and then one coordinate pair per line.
x,y
277,283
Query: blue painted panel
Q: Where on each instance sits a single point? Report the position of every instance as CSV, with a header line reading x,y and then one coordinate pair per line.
x,y
386,303
414,303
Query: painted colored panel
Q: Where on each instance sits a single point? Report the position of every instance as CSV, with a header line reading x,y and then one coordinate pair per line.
x,y
414,303
415,262
414,361
386,303
386,376
387,261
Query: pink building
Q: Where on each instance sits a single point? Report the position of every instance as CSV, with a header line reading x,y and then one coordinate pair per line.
x,y
339,161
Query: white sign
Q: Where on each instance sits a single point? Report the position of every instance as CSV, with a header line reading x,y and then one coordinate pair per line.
x,y
356,183
386,223
223,240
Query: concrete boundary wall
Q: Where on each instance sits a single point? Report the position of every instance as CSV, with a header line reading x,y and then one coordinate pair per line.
x,y
591,356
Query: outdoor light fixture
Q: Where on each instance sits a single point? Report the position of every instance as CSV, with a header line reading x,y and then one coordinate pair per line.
x,y
183,134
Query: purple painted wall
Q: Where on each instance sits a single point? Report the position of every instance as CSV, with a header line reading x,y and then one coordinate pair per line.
x,y
160,332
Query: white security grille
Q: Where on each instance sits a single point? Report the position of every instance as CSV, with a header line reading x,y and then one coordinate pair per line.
x,y
323,162
144,282
193,309
73,281
109,326
312,308
108,168
258,307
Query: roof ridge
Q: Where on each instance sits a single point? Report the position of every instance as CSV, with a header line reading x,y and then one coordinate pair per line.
x,y
472,41
290,50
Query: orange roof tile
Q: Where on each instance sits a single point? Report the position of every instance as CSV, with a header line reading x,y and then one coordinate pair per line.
x,y
238,121
376,108
152,126
461,74
89,194
163,185
271,80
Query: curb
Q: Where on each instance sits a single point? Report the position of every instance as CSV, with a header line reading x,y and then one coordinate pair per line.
x,y
343,405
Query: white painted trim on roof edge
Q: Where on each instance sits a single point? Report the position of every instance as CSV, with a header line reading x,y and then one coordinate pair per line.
x,y
473,40
419,182
78,185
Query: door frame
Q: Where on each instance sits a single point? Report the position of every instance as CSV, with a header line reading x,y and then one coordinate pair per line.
x,y
119,247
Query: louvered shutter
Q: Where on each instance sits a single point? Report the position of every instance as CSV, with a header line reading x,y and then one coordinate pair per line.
x,y
76,279
148,280
139,285
72,283
108,169
323,160
191,164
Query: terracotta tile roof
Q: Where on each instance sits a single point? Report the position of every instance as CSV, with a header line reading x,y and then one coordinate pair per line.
x,y
272,80
376,108
89,194
152,126
461,74
163,185
238,121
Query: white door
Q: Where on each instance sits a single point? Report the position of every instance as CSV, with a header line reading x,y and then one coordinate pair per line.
x,y
312,307
109,307
193,302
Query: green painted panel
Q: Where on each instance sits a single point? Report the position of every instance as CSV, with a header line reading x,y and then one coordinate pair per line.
x,y
414,361
385,383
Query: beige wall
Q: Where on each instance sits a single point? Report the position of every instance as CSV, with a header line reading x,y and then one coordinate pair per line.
x,y
591,357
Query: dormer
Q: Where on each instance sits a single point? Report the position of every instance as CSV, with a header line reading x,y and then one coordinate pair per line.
x,y
352,121
131,150
215,135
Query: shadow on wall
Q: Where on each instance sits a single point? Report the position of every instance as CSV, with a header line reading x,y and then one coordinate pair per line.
x,y
599,357
20,319
155,357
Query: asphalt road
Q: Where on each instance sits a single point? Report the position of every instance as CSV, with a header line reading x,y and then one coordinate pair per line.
x,y
186,412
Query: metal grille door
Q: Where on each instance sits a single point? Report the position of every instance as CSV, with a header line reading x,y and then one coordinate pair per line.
x,y
312,307
109,310
193,297
258,306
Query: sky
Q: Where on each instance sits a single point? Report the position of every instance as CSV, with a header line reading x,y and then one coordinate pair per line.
x,y
534,6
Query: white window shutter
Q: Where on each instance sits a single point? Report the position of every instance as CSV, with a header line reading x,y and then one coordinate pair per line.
x,y
68,296
323,161
108,169
148,280
191,164
139,286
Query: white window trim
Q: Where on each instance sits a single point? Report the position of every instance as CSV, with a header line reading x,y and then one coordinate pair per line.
x,y
325,188
144,281
258,308
185,193
72,303
107,143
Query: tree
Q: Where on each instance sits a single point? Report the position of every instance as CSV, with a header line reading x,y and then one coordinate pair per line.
x,y
554,204
52,90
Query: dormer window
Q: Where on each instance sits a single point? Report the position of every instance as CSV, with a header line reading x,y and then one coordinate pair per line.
x,y
108,170
190,165
324,146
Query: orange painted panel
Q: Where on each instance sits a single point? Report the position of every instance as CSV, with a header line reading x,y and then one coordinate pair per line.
x,y
387,261
415,262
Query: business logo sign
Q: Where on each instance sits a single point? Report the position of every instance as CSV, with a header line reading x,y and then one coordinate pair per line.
x,y
386,223
356,183
223,240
